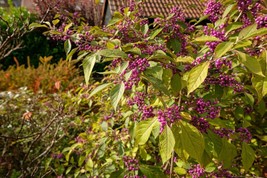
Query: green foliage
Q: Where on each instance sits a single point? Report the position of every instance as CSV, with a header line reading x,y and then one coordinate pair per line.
x,y
172,100
34,43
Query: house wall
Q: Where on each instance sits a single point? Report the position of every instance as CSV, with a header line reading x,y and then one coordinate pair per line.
x,y
29,4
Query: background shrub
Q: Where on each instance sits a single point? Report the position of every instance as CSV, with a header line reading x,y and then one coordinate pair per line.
x,y
34,43
47,77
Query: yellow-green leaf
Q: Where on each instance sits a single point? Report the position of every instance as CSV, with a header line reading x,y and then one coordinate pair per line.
x,y
116,94
196,76
166,144
223,48
143,130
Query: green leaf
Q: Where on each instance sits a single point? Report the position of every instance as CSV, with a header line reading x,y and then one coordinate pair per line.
x,y
69,56
258,82
155,71
233,26
180,171
157,83
227,154
166,144
248,156
88,65
184,59
143,130
134,50
56,21
246,32
175,45
251,63
145,29
223,48
159,54
176,84
196,76
99,88
116,94
117,17
192,140
213,143
227,10
67,46
206,39
112,53
155,33
152,171
243,43
118,174
37,25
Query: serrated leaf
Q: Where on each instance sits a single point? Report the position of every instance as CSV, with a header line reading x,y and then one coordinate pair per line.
x,y
190,139
227,10
143,130
227,154
248,156
233,26
196,76
242,44
88,65
184,59
223,48
259,32
155,33
258,82
246,32
206,39
158,84
112,53
251,63
99,88
159,54
116,94
166,144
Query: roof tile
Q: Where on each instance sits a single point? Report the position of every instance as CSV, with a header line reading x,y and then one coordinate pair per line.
x,y
190,8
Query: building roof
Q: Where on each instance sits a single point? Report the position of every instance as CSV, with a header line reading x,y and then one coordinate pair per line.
x,y
190,8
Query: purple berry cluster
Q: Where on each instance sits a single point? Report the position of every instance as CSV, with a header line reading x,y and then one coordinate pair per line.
x,y
173,29
219,63
223,132
208,108
200,123
168,116
216,33
243,5
196,171
137,66
244,134
139,101
131,164
261,21
214,10
225,80
222,173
